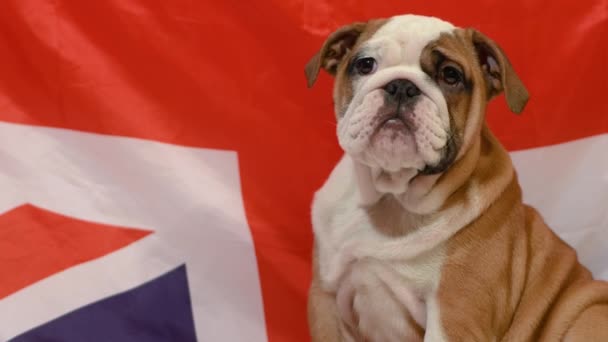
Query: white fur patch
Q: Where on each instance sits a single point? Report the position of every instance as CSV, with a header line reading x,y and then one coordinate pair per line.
x,y
373,300
412,33
370,286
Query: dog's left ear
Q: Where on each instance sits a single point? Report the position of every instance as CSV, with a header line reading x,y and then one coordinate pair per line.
x,y
498,72
332,52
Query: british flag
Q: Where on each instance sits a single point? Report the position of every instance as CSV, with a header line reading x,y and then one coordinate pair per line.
x,y
158,158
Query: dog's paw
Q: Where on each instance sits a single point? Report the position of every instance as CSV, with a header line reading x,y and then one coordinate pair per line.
x,y
371,310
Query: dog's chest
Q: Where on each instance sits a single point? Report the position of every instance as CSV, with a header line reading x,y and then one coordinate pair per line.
x,y
349,242
386,283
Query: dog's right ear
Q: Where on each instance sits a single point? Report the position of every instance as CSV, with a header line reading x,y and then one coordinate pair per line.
x,y
333,51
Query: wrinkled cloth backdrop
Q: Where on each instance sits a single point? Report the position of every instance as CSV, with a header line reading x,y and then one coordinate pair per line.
x,y
158,158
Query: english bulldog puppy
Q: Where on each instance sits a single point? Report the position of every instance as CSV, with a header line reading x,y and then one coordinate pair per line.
x,y
420,230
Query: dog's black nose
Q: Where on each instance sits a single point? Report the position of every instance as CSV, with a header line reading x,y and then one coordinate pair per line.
x,y
401,89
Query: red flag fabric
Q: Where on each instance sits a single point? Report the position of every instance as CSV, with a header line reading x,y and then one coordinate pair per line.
x,y
191,120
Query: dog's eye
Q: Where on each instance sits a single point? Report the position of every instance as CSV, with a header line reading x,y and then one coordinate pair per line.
x,y
365,65
451,75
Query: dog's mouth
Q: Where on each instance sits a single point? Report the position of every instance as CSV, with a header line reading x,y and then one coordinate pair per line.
x,y
395,120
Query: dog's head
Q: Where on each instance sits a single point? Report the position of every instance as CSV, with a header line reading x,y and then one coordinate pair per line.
x,y
411,91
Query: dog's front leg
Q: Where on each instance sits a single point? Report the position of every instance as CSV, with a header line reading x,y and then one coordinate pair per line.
x,y
323,317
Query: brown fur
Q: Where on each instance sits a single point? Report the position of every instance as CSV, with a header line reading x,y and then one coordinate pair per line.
x,y
508,277
507,274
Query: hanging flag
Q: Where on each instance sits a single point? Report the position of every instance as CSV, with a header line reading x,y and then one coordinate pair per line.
x,y
158,158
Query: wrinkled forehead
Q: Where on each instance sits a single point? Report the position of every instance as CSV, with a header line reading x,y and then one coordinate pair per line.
x,y
408,34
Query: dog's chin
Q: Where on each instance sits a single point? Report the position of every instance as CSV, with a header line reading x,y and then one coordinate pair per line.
x,y
393,147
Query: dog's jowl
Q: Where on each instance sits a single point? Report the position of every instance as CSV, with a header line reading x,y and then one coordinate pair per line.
x,y
420,230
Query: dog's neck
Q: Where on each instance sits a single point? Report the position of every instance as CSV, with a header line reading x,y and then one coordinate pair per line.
x,y
438,206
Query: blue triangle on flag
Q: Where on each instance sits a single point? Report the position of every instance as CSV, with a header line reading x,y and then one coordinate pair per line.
x,y
159,310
